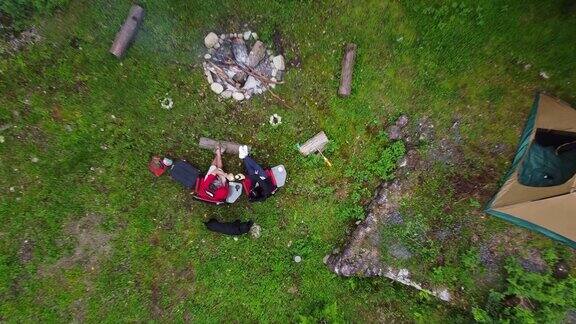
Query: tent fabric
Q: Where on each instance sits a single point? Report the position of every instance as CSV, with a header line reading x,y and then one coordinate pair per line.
x,y
548,210
544,167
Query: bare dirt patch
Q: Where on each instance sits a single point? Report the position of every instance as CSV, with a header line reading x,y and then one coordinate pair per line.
x,y
93,245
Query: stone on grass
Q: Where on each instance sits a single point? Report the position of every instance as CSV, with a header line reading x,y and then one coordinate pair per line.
x,y
297,258
251,83
544,75
278,62
1,139
394,132
207,56
399,251
402,121
211,40
325,259
238,96
226,94
255,231
254,35
247,35
217,87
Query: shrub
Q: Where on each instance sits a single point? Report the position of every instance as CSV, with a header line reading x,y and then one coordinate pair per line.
x,y
545,299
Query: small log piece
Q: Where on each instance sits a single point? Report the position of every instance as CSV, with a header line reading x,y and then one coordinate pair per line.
x,y
347,67
128,31
210,144
315,144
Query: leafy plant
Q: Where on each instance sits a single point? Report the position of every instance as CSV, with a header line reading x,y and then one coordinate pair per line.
x,y
538,298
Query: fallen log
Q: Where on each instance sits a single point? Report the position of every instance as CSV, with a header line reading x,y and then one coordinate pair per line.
x,y
347,67
210,144
128,31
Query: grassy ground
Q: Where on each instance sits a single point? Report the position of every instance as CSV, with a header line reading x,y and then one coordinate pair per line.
x,y
93,122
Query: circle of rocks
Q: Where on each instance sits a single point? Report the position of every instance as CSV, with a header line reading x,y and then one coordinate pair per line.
x,y
234,72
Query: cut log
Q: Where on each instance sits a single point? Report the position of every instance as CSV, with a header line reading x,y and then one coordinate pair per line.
x,y
231,147
347,67
256,54
128,31
315,144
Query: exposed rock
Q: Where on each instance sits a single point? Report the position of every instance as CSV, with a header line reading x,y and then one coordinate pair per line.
x,y
239,50
399,251
534,262
24,39
255,231
394,132
279,62
226,94
561,270
211,40
217,87
256,55
238,96
360,256
402,121
395,218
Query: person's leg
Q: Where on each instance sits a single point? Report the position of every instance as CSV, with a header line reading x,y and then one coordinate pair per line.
x,y
217,162
253,168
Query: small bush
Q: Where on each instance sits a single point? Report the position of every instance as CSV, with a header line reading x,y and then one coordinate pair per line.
x,y
545,299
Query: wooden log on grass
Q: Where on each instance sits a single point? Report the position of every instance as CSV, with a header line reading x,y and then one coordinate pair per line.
x,y
128,31
210,144
315,144
347,67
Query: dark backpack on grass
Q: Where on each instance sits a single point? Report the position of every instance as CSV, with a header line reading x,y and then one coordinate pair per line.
x,y
233,228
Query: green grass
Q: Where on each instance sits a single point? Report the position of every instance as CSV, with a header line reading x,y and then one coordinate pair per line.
x,y
438,60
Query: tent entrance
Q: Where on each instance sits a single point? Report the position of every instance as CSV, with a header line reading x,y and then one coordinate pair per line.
x,y
550,160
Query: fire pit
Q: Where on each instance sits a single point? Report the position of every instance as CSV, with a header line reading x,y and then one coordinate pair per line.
x,y
239,66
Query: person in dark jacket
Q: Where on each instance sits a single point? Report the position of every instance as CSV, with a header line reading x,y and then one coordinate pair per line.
x,y
262,186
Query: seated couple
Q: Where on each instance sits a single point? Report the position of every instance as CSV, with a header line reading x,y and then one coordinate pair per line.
x,y
214,186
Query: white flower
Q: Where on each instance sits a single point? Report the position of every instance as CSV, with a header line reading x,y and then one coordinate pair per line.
x,y
167,103
275,120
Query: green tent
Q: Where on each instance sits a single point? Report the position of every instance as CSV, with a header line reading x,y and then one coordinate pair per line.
x,y
540,189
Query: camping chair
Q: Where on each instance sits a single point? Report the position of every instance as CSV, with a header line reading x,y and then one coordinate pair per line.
x,y
234,192
277,176
188,176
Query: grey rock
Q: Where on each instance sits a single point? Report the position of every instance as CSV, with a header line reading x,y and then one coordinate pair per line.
x,y
395,218
402,121
399,251
394,132
279,62
216,87
210,40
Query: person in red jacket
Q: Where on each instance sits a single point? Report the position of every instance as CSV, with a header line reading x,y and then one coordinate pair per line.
x,y
214,186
